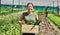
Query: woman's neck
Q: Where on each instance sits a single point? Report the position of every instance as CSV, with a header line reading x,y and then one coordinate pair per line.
x,y
29,12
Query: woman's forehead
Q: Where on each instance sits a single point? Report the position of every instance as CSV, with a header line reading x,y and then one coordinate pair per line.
x,y
30,5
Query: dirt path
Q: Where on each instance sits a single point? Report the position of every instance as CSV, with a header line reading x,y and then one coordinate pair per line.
x,y
46,27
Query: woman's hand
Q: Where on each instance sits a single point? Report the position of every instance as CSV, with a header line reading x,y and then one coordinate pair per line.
x,y
22,23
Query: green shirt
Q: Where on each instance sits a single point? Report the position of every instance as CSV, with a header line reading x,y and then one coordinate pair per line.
x,y
29,18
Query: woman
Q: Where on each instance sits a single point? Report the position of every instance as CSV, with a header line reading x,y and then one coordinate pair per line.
x,y
28,16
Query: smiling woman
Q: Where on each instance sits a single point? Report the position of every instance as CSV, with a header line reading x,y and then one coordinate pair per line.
x,y
26,16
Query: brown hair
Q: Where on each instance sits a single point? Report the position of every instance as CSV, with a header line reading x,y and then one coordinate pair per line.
x,y
29,3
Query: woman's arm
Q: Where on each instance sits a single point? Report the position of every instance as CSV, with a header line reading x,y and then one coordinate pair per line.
x,y
21,20
37,17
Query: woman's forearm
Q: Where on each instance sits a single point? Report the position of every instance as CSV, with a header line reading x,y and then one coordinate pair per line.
x,y
21,22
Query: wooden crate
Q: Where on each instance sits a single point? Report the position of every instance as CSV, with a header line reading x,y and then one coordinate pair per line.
x,y
27,29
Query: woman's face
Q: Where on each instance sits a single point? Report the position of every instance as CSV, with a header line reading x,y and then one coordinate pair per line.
x,y
30,8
